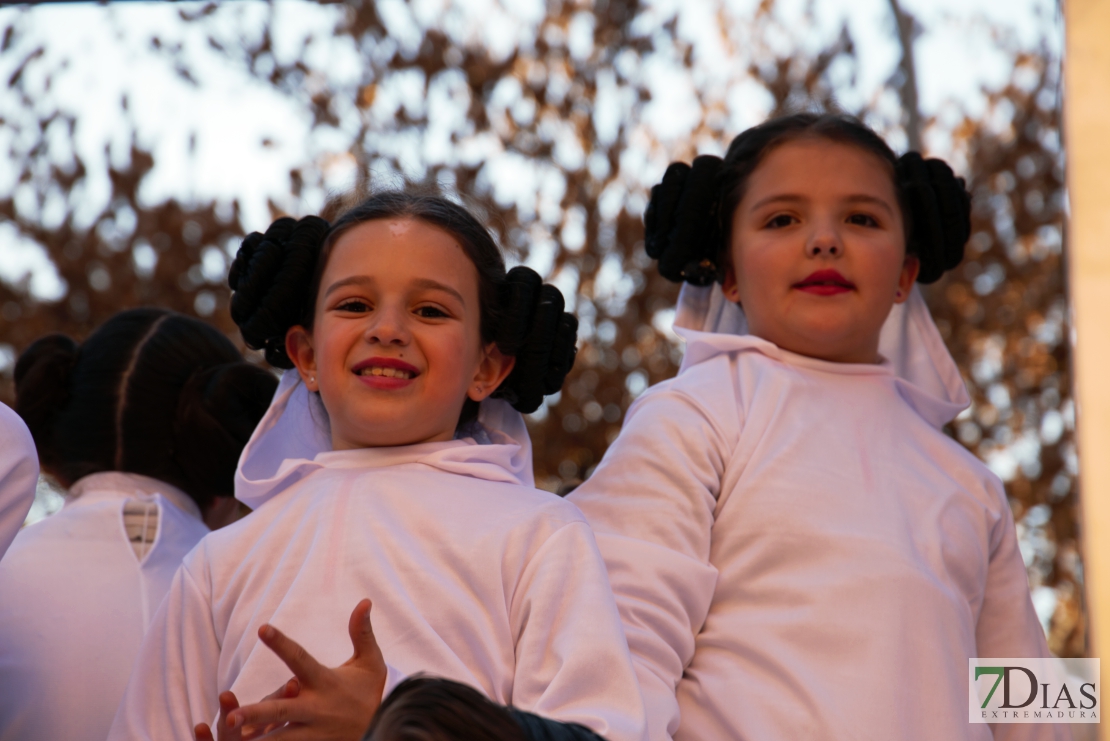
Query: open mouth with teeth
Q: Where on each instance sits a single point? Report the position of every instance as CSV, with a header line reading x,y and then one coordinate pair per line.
x,y
385,373
377,370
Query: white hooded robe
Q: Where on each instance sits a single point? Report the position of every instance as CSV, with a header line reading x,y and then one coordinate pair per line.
x,y
75,602
474,575
799,552
19,474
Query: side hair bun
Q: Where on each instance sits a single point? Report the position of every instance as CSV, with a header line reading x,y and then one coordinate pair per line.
x,y
539,334
217,411
271,278
939,208
680,223
42,388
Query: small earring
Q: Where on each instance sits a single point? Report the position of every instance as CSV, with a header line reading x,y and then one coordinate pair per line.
x,y
313,378
897,294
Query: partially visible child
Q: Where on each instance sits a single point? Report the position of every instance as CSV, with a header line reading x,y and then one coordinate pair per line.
x,y
431,709
19,475
386,469
142,423
797,549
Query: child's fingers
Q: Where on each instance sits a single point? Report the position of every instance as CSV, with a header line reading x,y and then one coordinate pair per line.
x,y
229,703
268,713
362,637
306,668
287,691
203,733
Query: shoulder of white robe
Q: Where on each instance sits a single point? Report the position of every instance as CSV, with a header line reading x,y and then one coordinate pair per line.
x,y
909,339
296,428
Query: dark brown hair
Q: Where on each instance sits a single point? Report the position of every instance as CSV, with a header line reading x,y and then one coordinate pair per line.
x,y
688,221
149,392
433,709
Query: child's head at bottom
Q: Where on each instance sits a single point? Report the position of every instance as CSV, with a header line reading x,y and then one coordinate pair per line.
x,y
433,709
401,316
814,227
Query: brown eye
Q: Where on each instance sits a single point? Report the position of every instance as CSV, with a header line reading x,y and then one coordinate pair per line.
x,y
431,312
354,306
862,220
780,221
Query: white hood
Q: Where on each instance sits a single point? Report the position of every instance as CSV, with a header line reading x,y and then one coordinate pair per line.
x,y
909,342
294,438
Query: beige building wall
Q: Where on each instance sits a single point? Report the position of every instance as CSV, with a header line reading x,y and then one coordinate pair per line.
x,y
1087,131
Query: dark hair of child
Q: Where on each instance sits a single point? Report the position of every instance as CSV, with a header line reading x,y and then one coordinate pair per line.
x,y
688,221
434,709
149,392
276,278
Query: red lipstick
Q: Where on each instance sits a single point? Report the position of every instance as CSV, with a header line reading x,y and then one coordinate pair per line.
x,y
385,373
825,283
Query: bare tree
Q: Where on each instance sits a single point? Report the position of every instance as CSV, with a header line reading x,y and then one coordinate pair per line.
x,y
905,78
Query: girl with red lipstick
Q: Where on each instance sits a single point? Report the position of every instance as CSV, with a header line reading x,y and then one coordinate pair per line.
x,y
393,464
797,549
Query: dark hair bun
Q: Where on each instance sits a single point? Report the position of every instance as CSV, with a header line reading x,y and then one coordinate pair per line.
x,y
42,388
939,214
271,278
680,224
217,411
539,334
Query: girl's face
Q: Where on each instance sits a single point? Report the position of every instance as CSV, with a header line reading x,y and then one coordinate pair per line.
x,y
395,347
818,253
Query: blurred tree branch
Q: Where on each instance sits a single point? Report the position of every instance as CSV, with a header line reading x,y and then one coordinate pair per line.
x,y
906,76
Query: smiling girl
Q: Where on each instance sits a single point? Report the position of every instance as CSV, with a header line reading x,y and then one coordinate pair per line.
x,y
392,466
797,549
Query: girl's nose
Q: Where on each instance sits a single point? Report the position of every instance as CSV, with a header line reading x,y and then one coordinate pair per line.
x,y
388,328
824,241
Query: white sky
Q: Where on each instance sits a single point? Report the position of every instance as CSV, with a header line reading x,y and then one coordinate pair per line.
x,y
230,114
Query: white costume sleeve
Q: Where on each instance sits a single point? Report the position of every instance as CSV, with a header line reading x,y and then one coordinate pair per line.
x,y
19,475
651,503
1008,626
572,664
173,684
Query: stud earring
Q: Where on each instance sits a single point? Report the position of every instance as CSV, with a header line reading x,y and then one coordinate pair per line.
x,y
897,294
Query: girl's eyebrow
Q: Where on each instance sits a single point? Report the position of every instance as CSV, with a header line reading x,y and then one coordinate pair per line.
x,y
785,197
794,198
873,200
437,286
426,283
353,280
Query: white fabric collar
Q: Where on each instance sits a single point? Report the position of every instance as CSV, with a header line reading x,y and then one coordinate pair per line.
x,y
104,484
909,342
294,438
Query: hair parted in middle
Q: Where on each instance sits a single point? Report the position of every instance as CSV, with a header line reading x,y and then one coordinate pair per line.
x,y
276,279
687,224
150,392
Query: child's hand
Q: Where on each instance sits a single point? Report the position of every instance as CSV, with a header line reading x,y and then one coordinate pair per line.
x,y
229,702
327,703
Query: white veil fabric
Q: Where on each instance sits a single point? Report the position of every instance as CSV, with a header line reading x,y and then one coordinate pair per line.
x,y
295,430
909,340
